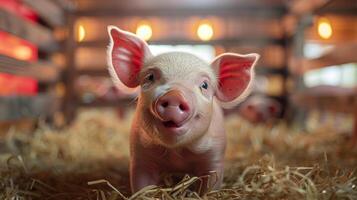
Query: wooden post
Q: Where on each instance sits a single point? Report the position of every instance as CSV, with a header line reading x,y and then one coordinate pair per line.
x,y
354,133
70,100
298,52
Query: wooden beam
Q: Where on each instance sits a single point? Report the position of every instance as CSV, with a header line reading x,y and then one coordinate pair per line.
x,y
349,11
42,71
48,10
341,54
70,103
354,134
270,70
339,7
67,5
32,32
258,41
93,72
275,11
21,107
302,7
330,98
103,72
120,102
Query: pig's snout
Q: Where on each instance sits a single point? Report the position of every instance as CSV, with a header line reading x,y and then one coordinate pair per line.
x,y
172,108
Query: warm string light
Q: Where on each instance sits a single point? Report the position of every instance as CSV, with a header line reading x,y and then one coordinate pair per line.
x,y
144,31
324,28
205,31
81,34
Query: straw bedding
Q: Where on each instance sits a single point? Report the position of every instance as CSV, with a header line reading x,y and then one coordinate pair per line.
x,y
89,160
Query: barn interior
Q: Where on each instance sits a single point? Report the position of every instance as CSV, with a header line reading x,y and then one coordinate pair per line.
x,y
64,125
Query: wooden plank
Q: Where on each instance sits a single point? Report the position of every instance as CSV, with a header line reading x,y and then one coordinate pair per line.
x,y
32,32
273,11
67,5
330,98
20,107
348,11
339,7
122,103
42,71
258,41
341,54
70,103
103,72
303,7
93,72
354,134
48,10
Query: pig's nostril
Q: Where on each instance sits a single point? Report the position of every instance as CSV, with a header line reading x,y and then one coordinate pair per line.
x,y
183,107
165,104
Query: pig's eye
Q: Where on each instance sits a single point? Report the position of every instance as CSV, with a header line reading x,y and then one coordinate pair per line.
x,y
148,80
204,85
150,77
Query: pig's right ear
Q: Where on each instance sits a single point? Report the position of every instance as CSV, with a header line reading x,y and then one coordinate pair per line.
x,y
126,56
235,73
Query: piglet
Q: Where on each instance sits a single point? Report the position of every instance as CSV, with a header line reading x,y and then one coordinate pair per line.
x,y
178,124
260,109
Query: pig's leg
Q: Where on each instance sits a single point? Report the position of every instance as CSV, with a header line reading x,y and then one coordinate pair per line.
x,y
142,175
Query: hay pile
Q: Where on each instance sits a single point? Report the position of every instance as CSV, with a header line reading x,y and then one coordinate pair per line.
x,y
89,160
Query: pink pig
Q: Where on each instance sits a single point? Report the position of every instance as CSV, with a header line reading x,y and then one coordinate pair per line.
x,y
178,124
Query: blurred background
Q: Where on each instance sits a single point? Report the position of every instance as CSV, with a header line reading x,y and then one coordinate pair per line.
x,y
53,55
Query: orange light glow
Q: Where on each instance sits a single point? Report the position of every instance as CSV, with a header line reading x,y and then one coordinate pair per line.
x,y
81,33
144,31
23,52
205,31
324,28
17,48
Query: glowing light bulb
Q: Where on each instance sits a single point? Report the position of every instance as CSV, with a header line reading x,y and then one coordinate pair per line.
x,y
205,31
81,33
324,28
144,31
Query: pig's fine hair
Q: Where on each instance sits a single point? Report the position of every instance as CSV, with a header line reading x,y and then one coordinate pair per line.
x,y
178,123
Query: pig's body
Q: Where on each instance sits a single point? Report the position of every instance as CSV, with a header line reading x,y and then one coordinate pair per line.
x,y
203,156
178,125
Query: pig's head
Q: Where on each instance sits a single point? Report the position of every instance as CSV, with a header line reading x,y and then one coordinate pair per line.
x,y
260,109
177,90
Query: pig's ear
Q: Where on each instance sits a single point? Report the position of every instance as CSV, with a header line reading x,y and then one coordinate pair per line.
x,y
126,56
235,75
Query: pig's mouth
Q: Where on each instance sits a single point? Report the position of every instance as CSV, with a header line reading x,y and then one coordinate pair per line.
x,y
172,127
171,124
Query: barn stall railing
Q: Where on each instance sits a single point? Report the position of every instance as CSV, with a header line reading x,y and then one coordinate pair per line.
x,y
34,23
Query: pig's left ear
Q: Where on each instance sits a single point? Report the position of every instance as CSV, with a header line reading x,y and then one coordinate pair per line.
x,y
126,56
235,74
